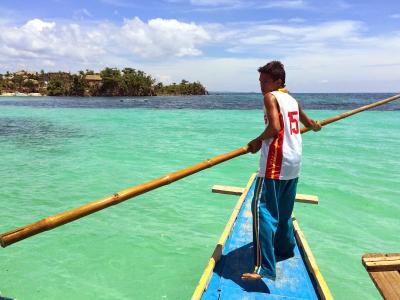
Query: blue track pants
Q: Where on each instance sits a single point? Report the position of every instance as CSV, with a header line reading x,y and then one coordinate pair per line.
x,y
273,236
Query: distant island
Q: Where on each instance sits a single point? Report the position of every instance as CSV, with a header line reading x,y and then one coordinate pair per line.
x,y
108,83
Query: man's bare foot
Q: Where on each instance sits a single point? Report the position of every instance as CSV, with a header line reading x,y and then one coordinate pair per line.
x,y
251,276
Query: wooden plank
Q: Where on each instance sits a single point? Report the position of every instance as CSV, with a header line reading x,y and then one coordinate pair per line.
x,y
229,190
311,263
388,283
311,199
393,279
205,278
233,190
380,257
393,265
381,261
384,270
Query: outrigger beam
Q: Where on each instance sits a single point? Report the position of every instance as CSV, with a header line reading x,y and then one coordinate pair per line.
x,y
384,270
233,190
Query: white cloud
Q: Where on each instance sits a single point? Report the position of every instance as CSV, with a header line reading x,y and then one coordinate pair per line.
x,y
284,39
86,43
395,16
341,53
328,56
39,40
37,25
160,37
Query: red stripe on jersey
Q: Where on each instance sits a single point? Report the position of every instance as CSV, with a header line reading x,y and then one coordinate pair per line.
x,y
270,158
279,154
275,153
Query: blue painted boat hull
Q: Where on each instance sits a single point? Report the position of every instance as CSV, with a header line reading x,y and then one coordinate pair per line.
x,y
293,278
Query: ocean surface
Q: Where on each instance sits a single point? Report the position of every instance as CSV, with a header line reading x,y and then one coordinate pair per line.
x,y
59,153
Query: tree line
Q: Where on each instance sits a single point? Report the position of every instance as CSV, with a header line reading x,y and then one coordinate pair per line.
x,y
109,82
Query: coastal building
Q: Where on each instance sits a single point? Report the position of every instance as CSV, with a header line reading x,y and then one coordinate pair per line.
x,y
93,79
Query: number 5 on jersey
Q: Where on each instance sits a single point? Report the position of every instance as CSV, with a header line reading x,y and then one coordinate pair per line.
x,y
294,123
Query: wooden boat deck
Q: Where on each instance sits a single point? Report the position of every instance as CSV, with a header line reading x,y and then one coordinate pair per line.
x,y
297,277
384,270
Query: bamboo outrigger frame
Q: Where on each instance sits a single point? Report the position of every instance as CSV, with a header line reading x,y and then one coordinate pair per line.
x,y
232,190
51,222
384,270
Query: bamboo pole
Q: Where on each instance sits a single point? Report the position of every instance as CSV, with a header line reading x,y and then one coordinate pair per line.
x,y
51,222
48,223
353,112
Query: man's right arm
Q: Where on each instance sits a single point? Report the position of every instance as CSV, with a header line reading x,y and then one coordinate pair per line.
x,y
274,126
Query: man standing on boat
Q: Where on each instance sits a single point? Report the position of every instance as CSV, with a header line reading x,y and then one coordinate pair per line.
x,y
276,183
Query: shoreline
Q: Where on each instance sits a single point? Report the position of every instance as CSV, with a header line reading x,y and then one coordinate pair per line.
x,y
18,94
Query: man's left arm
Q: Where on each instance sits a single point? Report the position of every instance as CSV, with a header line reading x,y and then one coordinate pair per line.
x,y
308,122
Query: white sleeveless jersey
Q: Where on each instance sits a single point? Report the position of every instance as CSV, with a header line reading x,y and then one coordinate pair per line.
x,y
281,155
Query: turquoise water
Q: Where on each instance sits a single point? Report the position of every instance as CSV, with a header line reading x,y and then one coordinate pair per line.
x,y
155,246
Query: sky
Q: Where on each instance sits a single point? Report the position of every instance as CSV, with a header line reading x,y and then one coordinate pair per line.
x,y
326,46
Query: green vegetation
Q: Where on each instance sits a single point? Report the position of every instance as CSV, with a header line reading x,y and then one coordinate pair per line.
x,y
183,88
109,82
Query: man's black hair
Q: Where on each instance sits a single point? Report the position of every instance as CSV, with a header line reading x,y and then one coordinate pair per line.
x,y
275,69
